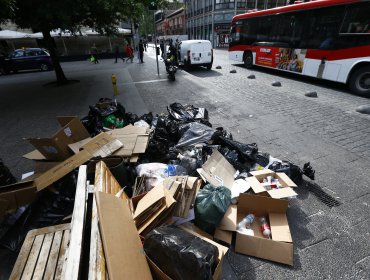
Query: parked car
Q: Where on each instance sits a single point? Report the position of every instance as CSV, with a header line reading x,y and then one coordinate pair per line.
x,y
28,59
197,53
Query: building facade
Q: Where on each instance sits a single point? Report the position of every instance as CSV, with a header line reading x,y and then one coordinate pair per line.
x,y
170,22
211,19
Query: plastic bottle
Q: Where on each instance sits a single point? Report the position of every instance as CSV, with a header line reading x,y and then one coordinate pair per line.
x,y
247,220
174,170
265,228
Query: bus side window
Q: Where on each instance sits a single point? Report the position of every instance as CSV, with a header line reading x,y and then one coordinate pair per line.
x,y
357,19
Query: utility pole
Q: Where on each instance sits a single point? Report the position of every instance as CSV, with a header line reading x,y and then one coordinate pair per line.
x,y
155,42
213,23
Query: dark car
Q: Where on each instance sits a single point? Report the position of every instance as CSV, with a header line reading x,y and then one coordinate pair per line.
x,y
28,59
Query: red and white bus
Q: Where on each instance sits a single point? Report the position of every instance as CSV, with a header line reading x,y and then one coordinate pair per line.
x,y
326,39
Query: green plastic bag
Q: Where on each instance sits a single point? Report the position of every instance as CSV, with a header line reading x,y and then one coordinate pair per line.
x,y
211,205
111,121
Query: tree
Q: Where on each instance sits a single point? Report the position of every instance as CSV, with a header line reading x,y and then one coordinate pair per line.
x,y
45,16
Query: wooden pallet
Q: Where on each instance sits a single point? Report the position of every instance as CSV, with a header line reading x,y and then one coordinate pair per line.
x,y
42,254
55,252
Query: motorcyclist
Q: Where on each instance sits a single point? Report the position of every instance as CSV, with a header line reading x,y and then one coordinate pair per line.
x,y
172,53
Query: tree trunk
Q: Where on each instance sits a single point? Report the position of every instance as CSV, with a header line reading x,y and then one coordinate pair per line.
x,y
61,78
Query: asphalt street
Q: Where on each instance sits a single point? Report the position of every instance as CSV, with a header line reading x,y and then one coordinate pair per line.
x,y
330,243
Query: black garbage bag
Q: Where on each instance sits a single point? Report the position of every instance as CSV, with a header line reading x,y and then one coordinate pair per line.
x,y
187,113
104,108
262,159
293,171
164,137
235,160
211,205
221,132
247,151
181,255
148,118
131,118
6,177
194,133
50,208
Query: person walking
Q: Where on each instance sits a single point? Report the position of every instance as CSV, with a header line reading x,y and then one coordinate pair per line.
x,y
116,52
129,53
145,45
141,51
162,48
94,54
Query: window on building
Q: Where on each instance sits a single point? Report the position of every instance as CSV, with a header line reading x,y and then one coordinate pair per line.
x,y
224,4
251,4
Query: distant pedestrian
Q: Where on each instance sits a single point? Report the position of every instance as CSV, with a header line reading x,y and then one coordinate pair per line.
x,y
129,53
94,54
116,52
141,51
162,47
145,45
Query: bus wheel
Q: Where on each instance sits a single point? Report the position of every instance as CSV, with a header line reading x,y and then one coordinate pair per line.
x,y
248,60
359,82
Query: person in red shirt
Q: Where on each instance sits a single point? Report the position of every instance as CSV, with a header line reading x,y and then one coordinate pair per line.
x,y
129,53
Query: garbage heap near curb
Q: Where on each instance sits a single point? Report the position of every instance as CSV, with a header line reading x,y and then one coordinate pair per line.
x,y
118,196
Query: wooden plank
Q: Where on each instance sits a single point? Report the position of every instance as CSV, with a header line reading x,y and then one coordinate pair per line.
x,y
72,258
93,242
32,258
50,229
43,257
101,265
22,257
53,255
62,251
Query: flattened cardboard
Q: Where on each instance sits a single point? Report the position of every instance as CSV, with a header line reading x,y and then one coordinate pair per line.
x,y
151,198
287,184
34,155
228,222
101,145
124,254
16,195
56,148
135,140
280,247
218,171
75,147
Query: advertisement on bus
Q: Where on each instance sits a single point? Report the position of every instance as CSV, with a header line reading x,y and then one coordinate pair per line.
x,y
281,58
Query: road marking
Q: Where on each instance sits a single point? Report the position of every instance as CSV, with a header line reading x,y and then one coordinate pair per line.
x,y
143,82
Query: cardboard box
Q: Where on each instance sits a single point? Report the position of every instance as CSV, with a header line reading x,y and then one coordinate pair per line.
x,y
218,171
56,147
287,184
101,145
153,209
123,250
222,250
16,195
280,247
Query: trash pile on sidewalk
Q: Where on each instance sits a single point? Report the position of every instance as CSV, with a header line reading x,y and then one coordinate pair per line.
x,y
171,185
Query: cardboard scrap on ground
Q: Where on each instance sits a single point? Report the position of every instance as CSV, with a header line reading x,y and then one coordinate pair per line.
x,y
101,145
218,171
287,184
134,139
56,147
123,250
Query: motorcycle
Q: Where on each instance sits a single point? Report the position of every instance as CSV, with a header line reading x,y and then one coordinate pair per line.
x,y
171,67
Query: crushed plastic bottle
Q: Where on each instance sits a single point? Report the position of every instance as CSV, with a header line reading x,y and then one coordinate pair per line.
x,y
265,228
247,221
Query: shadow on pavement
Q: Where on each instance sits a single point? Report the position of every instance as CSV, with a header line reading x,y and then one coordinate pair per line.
x,y
322,83
201,72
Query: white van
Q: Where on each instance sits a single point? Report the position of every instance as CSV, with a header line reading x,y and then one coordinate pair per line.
x,y
196,52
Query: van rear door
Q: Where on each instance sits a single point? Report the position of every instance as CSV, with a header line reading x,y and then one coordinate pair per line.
x,y
201,53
